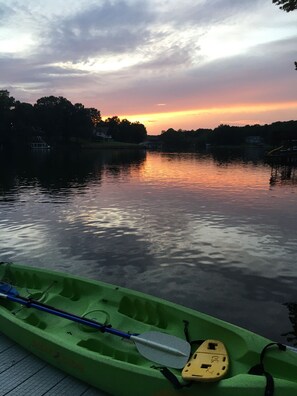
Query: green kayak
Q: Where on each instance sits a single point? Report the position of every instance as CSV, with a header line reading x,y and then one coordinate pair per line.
x,y
127,343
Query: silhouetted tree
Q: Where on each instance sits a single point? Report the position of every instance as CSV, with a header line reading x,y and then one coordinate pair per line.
x,y
125,131
81,122
286,5
113,127
273,134
94,115
228,135
188,140
61,120
23,123
134,132
57,120
7,104
54,115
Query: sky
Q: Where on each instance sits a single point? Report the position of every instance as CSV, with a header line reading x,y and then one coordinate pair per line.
x,y
166,63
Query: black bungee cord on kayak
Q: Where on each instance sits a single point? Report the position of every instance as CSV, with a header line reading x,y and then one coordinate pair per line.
x,y
259,368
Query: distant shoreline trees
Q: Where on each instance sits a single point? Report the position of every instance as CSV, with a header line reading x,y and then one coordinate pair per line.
x,y
273,135
59,122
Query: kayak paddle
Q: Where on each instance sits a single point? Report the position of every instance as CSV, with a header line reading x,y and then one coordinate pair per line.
x,y
161,348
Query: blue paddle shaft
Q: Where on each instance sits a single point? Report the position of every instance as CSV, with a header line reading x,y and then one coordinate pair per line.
x,y
161,348
27,302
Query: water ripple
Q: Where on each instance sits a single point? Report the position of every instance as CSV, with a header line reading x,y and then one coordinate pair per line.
x,y
202,232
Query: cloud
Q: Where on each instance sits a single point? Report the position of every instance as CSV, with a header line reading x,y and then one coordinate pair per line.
x,y
108,28
126,56
264,74
206,13
5,12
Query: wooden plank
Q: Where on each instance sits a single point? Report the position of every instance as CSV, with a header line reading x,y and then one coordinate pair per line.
x,y
4,343
94,392
70,386
11,356
17,374
22,373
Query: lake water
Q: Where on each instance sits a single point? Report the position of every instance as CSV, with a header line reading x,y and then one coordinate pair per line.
x,y
213,231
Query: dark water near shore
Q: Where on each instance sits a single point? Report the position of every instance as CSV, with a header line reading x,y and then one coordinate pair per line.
x,y
214,231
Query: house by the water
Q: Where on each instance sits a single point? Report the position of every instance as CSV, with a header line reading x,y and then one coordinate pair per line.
x,y
37,143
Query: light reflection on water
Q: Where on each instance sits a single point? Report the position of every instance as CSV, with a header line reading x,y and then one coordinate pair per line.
x,y
213,233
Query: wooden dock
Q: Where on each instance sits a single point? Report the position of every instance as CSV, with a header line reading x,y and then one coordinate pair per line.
x,y
23,374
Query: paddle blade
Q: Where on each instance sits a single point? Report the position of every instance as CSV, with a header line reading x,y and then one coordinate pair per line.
x,y
163,349
6,288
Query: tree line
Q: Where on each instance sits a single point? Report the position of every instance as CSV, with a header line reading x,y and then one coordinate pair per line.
x,y
59,122
273,135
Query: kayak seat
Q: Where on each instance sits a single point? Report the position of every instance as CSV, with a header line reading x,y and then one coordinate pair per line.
x,y
127,352
35,321
70,289
143,311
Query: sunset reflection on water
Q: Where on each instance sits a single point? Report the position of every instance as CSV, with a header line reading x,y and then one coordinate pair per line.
x,y
207,230
193,171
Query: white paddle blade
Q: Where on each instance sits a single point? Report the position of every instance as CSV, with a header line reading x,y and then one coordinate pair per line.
x,y
163,349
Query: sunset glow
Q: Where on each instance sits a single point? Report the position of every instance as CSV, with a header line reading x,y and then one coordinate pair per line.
x,y
230,63
211,117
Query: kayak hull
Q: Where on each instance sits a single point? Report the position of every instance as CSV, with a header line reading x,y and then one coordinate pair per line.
x,y
114,365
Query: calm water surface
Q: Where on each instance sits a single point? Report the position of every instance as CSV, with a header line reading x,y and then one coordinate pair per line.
x,y
214,232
